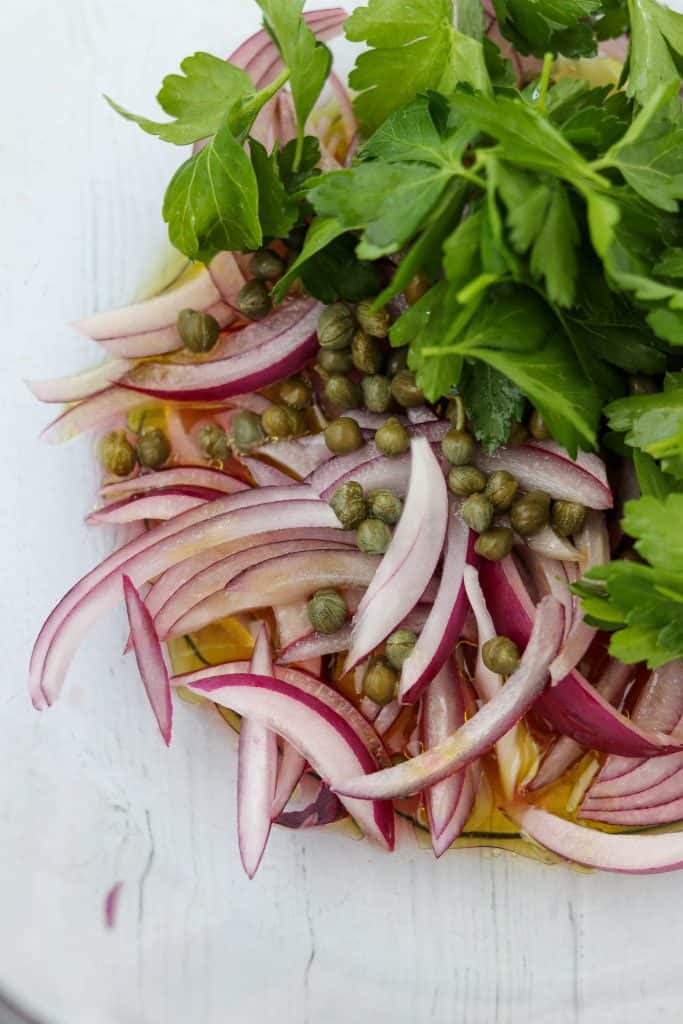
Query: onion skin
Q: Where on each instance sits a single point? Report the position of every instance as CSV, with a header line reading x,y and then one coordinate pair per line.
x,y
176,476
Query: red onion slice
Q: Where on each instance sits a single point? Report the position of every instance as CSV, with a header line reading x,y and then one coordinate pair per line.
x,y
462,812
265,475
150,659
151,506
480,732
303,455
544,466
442,711
91,414
314,645
644,817
77,386
177,476
292,767
662,790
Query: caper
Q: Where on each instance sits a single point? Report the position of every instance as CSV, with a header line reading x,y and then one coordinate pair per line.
x,y
253,300
246,433
405,390
518,435
375,322
477,511
198,331
296,393
117,454
379,684
501,489
538,428
392,438
416,288
266,265
458,446
342,392
501,655
399,647
279,421
465,480
397,361
348,504
640,384
366,354
530,513
153,448
456,412
567,517
335,362
495,544
212,441
327,611
373,537
335,327
343,436
385,505
376,393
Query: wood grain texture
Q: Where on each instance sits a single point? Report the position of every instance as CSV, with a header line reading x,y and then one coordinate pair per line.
x,y
330,930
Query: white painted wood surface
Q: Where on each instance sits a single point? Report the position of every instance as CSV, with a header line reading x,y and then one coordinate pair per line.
x,y
330,931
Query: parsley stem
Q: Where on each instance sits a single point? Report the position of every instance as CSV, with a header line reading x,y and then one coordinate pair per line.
x,y
548,61
262,97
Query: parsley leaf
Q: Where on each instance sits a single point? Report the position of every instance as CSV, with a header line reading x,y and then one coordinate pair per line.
x,y
493,403
653,424
277,212
656,38
335,272
545,25
428,323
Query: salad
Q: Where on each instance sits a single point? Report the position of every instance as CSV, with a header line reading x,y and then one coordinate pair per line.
x,y
399,454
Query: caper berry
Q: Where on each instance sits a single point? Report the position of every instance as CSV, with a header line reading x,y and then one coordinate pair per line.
x,y
639,384
348,504
477,511
416,288
379,684
342,392
198,331
567,517
153,448
246,433
397,361
266,265
335,362
376,393
501,655
501,490
117,454
254,301
465,480
405,389
373,537
399,647
212,441
518,435
385,505
374,322
458,446
538,428
327,611
456,412
296,393
392,438
530,513
495,544
343,435
279,421
366,354
335,327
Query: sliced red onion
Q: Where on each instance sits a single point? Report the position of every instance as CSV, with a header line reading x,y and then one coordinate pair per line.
x,y
645,776
442,711
442,629
236,343
311,645
150,659
91,414
151,506
386,717
256,56
544,466
177,476
629,854
480,732
323,807
661,814
666,786
326,476
549,544
411,559
293,623
303,455
462,812
77,386
421,414
265,475
290,771
182,445
111,904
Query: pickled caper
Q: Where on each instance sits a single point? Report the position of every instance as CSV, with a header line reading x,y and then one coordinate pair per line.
x,y
399,647
366,354
495,544
198,331
500,655
405,390
342,392
458,446
266,265
296,393
376,393
349,505
465,480
153,448
392,438
117,454
327,611
385,505
530,513
379,684
335,327
212,440
343,435
373,537
375,322
501,489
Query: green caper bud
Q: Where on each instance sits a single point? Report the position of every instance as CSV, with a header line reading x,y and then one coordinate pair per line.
x,y
335,327
373,537
399,647
342,392
405,389
465,480
279,421
246,433
530,513
212,440
477,511
501,490
385,505
518,435
327,611
335,362
117,454
254,301
567,517
153,448
501,655
366,354
343,436
379,684
458,446
376,393
416,288
266,265
392,438
456,412
640,384
296,393
348,504
374,322
495,544
198,331
538,428
397,361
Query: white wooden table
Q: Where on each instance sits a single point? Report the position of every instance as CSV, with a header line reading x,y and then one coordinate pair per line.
x,y
330,931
